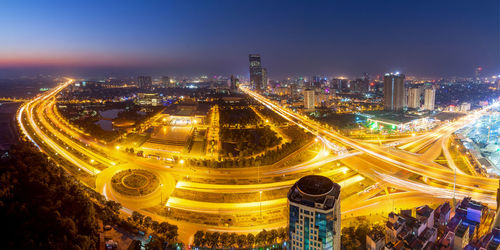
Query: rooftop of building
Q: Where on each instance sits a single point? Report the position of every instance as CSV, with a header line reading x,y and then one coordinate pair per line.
x,y
443,208
188,108
395,118
376,235
461,230
427,234
315,185
396,246
447,239
315,189
424,211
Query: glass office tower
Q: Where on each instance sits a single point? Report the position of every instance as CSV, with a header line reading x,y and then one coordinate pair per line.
x,y
314,213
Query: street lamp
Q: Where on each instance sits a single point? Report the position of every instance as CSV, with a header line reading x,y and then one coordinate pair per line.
x,y
161,193
260,202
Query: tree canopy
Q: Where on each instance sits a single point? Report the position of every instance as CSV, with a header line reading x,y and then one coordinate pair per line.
x,y
41,207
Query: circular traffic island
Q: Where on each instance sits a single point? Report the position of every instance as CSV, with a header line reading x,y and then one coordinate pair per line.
x,y
134,182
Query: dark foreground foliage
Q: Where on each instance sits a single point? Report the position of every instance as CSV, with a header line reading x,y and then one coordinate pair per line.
x,y
41,207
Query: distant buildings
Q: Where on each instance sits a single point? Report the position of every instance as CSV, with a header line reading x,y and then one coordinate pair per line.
x,y
465,107
233,84
165,82
360,85
478,72
429,98
414,98
144,82
394,92
309,100
337,83
314,213
258,74
148,99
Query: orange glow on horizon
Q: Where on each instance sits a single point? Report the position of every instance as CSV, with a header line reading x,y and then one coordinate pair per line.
x,y
77,59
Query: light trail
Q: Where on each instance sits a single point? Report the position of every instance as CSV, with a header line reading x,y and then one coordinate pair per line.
x,y
478,183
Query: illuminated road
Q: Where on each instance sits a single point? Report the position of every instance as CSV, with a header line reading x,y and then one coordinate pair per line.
x,y
393,163
41,123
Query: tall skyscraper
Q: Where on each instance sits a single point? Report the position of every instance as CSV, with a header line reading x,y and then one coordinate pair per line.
x,y
477,72
144,82
314,207
414,98
258,75
394,91
316,82
429,98
265,80
309,100
337,83
360,85
233,85
165,81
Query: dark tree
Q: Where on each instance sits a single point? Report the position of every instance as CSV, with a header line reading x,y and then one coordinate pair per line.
x,y
41,207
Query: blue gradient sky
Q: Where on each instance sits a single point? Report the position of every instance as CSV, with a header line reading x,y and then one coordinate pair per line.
x,y
429,38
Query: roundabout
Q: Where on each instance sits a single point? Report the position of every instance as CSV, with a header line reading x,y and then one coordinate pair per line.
x,y
139,187
134,182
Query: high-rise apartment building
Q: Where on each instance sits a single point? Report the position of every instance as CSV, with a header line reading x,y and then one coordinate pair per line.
x,y
165,81
316,81
337,83
144,82
233,84
258,75
309,100
414,98
314,208
429,98
360,85
394,92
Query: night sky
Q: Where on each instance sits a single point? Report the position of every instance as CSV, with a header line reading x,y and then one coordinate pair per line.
x,y
425,38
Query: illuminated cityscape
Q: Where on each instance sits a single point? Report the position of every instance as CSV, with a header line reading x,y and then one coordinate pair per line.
x,y
214,127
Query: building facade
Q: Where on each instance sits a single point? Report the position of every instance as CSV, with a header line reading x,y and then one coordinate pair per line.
x,y
309,99
165,82
234,82
258,74
414,98
394,92
144,82
429,98
148,99
314,208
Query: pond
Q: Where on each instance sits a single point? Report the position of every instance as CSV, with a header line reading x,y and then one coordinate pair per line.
x,y
105,124
111,113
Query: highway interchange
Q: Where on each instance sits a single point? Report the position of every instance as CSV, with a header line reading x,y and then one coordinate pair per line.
x,y
391,166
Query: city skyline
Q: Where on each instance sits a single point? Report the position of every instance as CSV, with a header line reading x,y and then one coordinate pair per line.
x,y
93,38
250,124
